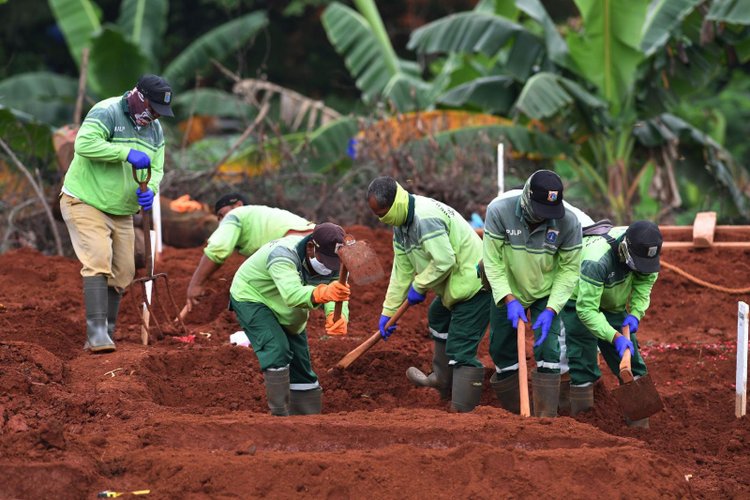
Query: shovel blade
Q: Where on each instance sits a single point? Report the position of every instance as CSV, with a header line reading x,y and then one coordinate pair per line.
x,y
638,399
361,261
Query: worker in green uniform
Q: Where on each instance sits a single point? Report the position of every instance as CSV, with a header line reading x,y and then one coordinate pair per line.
x,y
435,249
532,250
618,270
272,294
99,196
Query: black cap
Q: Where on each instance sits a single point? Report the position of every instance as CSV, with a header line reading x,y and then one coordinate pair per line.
x,y
644,245
546,193
158,92
229,199
327,238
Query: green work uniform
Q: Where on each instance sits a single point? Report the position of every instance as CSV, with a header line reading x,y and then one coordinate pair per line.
x,y
606,290
538,267
271,294
247,228
436,249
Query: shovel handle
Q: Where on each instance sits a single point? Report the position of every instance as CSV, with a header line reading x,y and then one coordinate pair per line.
x,y
371,341
626,371
523,380
343,276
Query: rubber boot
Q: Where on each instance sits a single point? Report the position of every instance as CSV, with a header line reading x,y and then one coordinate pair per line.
x,y
546,387
113,307
642,423
564,404
467,387
306,402
507,392
441,375
95,300
581,399
277,391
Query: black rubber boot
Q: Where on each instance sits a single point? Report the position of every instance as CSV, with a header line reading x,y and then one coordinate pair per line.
x,y
564,403
306,402
467,387
441,376
581,399
277,391
95,300
546,387
507,392
113,307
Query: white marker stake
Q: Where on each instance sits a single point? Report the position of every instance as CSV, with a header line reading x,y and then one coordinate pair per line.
x,y
500,168
156,220
740,407
149,286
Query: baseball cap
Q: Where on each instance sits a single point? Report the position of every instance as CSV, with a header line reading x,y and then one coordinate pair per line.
x,y
229,199
644,245
546,193
158,92
327,238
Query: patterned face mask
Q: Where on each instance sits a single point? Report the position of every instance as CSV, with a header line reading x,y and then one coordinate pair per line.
x,y
625,255
141,114
528,212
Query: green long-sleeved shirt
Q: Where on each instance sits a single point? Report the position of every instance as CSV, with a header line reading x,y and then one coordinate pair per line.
x,y
277,276
99,174
248,228
437,250
530,265
607,284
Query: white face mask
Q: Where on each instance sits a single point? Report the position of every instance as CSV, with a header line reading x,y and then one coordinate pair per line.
x,y
319,267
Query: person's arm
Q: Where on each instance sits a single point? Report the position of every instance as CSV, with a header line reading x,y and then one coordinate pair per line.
x,y
223,240
442,259
494,260
289,284
590,289
206,268
92,140
640,296
402,274
568,269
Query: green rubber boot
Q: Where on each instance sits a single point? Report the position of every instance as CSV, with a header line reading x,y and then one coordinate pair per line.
x,y
95,300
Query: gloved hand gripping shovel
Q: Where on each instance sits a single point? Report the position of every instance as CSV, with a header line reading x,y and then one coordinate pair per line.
x,y
148,283
358,262
637,398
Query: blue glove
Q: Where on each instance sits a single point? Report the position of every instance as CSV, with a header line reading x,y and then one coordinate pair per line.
x,y
516,312
138,159
145,200
543,321
381,325
621,344
632,322
414,297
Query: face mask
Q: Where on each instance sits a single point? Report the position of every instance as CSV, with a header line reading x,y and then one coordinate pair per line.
x,y
526,209
319,267
142,116
625,255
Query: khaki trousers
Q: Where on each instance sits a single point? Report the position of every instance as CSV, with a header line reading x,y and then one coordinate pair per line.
x,y
104,243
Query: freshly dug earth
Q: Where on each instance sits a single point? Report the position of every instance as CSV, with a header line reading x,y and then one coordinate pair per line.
x,y
190,420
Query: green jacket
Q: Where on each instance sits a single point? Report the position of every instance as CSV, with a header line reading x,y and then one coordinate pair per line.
x,y
99,174
607,284
277,276
530,264
436,249
248,228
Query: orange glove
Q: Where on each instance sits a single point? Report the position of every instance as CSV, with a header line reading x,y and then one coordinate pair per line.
x,y
336,328
334,292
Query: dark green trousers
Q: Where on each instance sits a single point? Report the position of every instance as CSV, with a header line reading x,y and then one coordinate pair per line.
x,y
461,328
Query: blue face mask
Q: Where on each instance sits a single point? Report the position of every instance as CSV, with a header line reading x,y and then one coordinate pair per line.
x,y
319,268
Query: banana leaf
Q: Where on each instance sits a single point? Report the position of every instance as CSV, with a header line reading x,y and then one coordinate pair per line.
x,y
328,144
491,94
48,97
663,17
145,22
557,49
730,11
216,44
547,94
26,136
212,102
115,64
78,20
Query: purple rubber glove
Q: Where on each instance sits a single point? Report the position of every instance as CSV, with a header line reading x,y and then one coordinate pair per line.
x,y
145,200
138,159
516,312
543,321
414,297
385,333
632,322
622,344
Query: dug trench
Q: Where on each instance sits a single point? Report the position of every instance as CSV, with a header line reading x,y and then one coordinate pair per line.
x,y
190,420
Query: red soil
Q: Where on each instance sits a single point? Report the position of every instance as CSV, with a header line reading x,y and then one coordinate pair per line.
x,y
190,421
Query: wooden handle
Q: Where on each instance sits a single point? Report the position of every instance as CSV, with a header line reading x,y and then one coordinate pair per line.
x,y
343,275
523,381
626,371
371,341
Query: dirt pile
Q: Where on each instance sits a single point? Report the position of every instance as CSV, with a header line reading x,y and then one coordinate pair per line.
x,y
189,420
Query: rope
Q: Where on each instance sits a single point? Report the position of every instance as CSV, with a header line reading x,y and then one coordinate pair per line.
x,y
700,282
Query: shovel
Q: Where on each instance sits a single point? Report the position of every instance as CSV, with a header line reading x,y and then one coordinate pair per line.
x,y
148,283
637,398
358,262
523,381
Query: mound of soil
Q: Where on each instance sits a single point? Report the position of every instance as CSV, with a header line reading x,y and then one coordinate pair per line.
x,y
190,420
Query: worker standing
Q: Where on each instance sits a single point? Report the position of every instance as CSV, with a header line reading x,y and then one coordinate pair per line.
x,y
435,249
99,196
532,249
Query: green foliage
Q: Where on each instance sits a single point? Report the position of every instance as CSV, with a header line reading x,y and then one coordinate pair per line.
x,y
30,139
212,102
78,19
109,76
46,96
145,22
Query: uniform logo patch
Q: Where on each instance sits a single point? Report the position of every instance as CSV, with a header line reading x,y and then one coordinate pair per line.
x,y
552,196
551,236
167,97
652,251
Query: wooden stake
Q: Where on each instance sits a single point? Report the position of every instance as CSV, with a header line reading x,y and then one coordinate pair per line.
x,y
704,227
740,406
523,380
